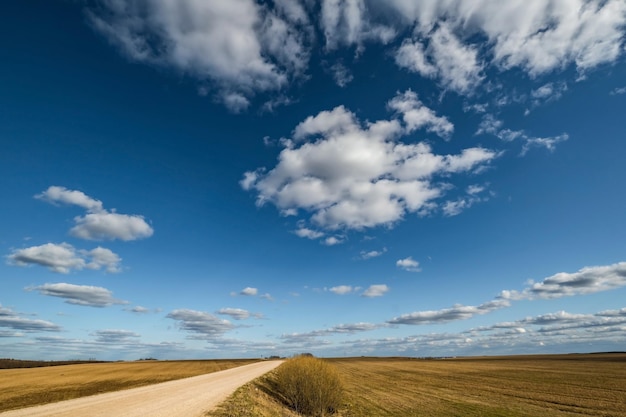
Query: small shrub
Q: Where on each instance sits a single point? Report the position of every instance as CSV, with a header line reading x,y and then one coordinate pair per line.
x,y
309,385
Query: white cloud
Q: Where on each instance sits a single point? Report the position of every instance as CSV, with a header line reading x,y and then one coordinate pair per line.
x,y
235,102
267,296
457,312
110,226
336,121
139,310
341,74
377,290
235,313
103,258
490,125
98,223
244,47
339,329
446,58
455,207
63,258
83,295
346,22
249,291
412,55
333,240
343,289
114,336
457,64
617,91
587,280
12,320
417,116
308,233
372,254
203,324
240,46
547,93
56,194
475,189
537,36
408,264
548,142
355,176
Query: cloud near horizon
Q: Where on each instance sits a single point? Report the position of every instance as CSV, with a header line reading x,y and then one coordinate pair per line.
x,y
199,324
12,320
587,280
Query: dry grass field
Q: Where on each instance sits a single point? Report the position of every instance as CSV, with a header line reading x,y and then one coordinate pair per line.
x,y
551,385
32,386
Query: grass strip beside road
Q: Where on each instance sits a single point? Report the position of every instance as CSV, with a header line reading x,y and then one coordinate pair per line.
x,y
33,386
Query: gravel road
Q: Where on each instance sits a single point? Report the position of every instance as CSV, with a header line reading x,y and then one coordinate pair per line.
x,y
188,397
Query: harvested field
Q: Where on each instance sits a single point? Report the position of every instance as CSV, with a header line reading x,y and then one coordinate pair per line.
x,y
515,386
31,386
559,385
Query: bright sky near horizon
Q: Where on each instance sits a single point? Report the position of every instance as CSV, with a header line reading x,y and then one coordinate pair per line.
x,y
210,179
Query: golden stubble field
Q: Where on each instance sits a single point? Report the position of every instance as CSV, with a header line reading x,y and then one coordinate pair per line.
x,y
562,385
32,386
530,386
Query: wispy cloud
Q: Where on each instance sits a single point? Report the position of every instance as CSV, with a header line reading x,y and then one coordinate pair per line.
x,y
376,290
344,289
82,295
618,91
341,74
493,126
15,321
457,312
113,336
138,310
587,280
235,313
547,93
339,329
372,254
548,142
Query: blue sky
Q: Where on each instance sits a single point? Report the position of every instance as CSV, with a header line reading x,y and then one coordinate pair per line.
x,y
197,179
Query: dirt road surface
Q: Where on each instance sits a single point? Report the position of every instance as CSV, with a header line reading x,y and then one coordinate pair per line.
x,y
188,397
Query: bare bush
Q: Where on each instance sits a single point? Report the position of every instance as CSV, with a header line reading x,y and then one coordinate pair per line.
x,y
310,386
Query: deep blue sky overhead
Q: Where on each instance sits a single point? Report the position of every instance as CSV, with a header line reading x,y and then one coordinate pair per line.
x,y
205,179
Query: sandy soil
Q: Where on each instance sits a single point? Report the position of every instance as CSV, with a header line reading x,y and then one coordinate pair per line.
x,y
188,397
